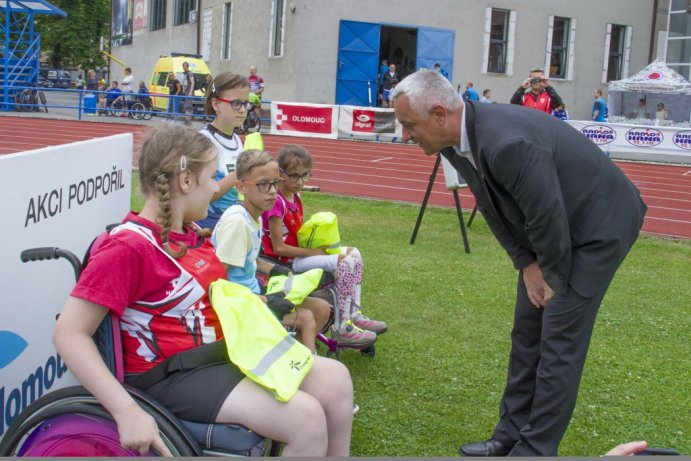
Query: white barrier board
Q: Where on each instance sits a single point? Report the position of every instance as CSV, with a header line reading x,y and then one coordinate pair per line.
x,y
60,196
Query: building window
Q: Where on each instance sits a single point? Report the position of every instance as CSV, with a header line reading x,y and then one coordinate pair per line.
x,y
158,14
617,50
498,41
678,52
227,17
277,23
182,11
560,47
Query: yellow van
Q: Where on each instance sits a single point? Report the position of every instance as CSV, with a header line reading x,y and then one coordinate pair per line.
x,y
173,63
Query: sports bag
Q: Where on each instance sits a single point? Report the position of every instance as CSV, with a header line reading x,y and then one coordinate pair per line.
x,y
257,342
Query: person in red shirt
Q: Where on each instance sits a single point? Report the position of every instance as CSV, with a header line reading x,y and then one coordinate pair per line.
x,y
256,82
541,95
153,273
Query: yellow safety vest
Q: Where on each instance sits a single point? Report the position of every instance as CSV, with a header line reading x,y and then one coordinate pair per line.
x,y
321,230
253,141
296,287
257,342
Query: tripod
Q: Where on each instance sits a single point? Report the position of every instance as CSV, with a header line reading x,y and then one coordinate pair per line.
x,y
457,202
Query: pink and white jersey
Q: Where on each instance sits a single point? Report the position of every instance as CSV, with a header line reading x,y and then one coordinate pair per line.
x,y
162,302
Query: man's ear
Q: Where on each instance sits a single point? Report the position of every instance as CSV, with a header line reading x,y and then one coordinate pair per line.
x,y
439,114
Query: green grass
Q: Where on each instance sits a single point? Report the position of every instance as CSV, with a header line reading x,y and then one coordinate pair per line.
x,y
438,374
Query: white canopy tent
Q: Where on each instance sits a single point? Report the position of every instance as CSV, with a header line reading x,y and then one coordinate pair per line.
x,y
655,83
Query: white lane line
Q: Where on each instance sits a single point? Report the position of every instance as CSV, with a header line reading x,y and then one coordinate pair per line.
x,y
687,173
381,159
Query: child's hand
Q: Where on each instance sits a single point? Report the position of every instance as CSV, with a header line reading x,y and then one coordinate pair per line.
x,y
139,431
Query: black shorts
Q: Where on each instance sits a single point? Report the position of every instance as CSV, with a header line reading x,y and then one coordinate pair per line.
x,y
197,395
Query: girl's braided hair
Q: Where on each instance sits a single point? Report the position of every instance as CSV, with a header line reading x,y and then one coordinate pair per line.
x,y
167,151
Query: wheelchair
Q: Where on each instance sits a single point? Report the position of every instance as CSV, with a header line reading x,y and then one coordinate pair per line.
x,y
71,422
141,108
327,292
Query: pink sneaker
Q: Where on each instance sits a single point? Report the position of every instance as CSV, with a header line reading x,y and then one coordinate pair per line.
x,y
351,335
362,321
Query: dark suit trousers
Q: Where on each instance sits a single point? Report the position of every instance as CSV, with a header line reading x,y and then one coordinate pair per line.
x,y
548,351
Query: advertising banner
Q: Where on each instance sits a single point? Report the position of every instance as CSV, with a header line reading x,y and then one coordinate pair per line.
x,y
651,140
370,123
311,120
59,196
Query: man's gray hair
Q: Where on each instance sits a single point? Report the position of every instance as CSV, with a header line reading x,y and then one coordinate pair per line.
x,y
424,89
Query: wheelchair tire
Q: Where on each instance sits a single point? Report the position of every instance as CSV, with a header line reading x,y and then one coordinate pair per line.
x,y
115,109
42,98
57,409
138,111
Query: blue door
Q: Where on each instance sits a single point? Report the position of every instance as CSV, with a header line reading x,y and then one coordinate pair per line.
x,y
435,46
358,56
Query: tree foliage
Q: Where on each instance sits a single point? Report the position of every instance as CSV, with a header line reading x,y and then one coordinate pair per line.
x,y
74,40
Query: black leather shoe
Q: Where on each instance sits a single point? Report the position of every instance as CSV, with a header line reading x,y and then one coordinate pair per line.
x,y
488,448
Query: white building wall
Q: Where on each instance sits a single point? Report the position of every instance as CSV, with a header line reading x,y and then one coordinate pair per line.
x,y
307,70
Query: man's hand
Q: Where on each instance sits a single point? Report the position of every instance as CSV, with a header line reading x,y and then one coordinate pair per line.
x,y
526,84
545,82
538,291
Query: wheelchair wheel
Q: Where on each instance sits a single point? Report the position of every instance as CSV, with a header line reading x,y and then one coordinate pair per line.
x,y
115,109
148,113
138,111
71,422
42,98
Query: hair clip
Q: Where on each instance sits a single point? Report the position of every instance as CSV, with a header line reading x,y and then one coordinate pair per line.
x,y
162,176
183,163
213,88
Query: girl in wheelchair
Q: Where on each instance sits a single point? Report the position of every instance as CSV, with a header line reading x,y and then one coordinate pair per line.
x,y
153,273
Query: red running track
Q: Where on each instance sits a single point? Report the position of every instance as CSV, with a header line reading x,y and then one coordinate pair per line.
x,y
376,170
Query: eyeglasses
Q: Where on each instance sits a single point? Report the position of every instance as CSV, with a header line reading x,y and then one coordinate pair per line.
x,y
266,186
237,103
296,177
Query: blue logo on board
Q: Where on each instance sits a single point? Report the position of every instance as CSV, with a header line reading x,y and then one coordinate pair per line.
x,y
11,347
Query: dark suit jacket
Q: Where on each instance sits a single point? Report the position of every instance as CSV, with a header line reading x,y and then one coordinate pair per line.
x,y
387,80
549,195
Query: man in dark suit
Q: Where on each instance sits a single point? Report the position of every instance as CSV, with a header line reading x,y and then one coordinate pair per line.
x,y
566,216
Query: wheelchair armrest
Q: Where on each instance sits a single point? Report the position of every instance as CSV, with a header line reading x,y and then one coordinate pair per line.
x,y
228,437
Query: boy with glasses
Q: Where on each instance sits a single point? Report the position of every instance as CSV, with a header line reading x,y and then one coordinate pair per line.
x,y
237,240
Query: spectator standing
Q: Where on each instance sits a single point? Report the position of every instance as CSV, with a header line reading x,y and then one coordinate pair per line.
x,y
91,81
470,94
187,90
561,113
174,90
391,75
383,69
541,95
599,113
437,68
486,96
256,82
127,81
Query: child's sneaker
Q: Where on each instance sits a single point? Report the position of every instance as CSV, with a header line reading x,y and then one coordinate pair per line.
x,y
351,335
362,321
356,408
